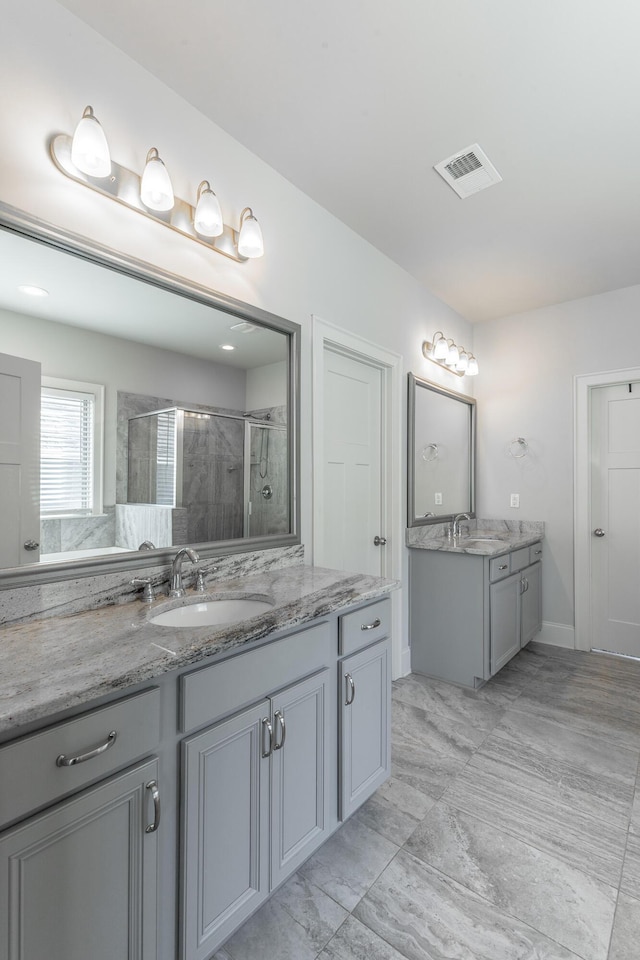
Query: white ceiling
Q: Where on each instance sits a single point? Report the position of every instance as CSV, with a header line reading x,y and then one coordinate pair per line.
x,y
84,294
354,101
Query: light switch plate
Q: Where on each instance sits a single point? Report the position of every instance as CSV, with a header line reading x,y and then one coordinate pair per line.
x,y
515,500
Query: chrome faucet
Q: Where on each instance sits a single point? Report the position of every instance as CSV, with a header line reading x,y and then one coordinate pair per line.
x,y
177,590
455,524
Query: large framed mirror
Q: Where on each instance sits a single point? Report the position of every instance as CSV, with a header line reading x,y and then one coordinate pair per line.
x,y
140,412
441,453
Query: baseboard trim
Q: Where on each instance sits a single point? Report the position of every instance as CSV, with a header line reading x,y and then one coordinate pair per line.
x,y
558,635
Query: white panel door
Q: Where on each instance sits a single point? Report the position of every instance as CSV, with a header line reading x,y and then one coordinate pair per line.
x,y
19,460
615,518
352,506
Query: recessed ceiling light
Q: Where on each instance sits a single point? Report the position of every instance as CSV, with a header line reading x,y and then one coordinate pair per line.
x,y
33,291
226,346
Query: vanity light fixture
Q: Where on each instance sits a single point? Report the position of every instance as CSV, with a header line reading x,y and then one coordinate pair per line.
x,y
89,147
448,355
250,239
85,158
156,191
440,346
207,219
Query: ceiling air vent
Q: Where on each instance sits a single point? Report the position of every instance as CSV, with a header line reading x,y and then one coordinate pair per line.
x,y
468,171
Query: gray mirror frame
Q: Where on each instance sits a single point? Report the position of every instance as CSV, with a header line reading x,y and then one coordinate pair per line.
x,y
418,383
19,222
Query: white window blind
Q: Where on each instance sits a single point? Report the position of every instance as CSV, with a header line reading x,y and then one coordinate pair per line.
x,y
166,458
66,451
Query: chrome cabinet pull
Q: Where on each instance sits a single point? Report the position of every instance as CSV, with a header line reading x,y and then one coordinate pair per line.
x,y
371,626
598,532
64,761
279,718
266,725
537,552
352,689
503,566
379,541
155,796
31,544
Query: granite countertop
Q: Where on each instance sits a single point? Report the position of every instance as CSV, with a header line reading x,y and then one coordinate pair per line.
x,y
484,538
50,665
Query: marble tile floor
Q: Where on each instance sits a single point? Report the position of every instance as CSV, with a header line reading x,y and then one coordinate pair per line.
x,y
509,830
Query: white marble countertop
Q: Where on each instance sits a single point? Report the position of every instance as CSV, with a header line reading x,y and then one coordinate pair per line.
x,y
53,664
484,538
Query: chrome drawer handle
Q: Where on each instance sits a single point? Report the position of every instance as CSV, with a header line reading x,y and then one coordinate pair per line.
x,y
278,745
503,566
155,796
371,626
537,552
266,725
349,699
64,761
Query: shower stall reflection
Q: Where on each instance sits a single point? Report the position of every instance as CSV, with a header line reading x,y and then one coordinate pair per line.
x,y
198,476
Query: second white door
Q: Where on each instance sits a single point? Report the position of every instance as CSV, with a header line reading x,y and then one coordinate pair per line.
x,y
352,506
615,518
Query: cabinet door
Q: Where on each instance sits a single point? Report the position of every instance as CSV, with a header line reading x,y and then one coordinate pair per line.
x,y
79,880
225,829
505,620
365,724
531,603
299,773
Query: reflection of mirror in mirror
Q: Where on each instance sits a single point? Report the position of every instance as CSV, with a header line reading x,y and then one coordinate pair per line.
x,y
441,446
191,434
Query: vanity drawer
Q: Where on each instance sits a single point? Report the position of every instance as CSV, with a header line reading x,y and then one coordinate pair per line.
x,y
519,559
364,626
223,688
500,567
535,552
34,779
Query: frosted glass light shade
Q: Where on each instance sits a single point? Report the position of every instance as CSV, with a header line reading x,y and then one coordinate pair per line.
x,y
250,243
156,191
440,347
89,147
463,362
453,354
472,368
208,216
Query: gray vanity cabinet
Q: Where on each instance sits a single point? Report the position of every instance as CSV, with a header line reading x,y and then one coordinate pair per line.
x,y
256,788
79,880
469,614
365,718
225,829
515,602
365,704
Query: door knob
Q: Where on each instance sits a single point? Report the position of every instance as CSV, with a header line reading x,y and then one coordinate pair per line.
x,y
31,544
598,532
379,541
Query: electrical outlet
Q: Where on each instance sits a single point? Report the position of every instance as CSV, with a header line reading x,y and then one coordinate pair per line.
x,y
438,499
515,500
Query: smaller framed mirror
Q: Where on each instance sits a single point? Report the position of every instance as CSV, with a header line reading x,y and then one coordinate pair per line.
x,y
441,453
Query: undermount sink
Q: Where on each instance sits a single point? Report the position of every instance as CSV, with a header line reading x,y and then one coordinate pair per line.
x,y
212,612
469,540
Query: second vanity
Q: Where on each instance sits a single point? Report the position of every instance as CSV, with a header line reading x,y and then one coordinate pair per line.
x,y
159,783
475,600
